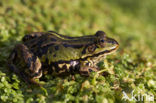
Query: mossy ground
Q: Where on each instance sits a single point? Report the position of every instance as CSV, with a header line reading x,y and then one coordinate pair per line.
x,y
132,67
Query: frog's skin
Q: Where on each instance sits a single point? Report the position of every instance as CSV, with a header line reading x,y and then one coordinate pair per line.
x,y
58,54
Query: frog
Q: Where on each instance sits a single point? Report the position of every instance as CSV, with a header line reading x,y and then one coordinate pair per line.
x,y
50,52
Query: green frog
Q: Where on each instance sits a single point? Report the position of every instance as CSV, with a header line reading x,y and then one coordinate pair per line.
x,y
57,54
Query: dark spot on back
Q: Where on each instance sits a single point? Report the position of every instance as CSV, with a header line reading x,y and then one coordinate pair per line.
x,y
65,45
42,51
73,46
41,41
52,39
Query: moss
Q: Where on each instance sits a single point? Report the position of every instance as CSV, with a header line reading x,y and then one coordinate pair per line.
x,y
131,68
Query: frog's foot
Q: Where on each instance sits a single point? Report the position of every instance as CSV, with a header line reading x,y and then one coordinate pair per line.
x,y
23,63
87,70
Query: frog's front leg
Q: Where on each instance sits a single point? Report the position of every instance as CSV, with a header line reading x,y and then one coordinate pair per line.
x,y
86,67
25,64
90,65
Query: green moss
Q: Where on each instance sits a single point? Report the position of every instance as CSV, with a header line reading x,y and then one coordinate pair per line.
x,y
133,67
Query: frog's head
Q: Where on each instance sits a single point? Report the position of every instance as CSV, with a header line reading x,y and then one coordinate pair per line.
x,y
102,45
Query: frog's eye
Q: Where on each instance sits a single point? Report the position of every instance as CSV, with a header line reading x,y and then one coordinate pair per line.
x,y
100,34
102,40
91,48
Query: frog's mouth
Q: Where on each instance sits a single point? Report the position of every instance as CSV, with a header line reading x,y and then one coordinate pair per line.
x,y
105,52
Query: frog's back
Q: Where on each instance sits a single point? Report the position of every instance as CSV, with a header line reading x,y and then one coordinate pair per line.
x,y
48,38
52,44
40,45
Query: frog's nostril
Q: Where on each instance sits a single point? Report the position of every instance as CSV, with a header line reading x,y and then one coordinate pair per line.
x,y
116,43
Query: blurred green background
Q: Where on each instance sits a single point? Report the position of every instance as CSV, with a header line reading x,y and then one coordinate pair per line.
x,y
131,22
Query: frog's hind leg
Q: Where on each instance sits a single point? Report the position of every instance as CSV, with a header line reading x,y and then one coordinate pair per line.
x,y
23,63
